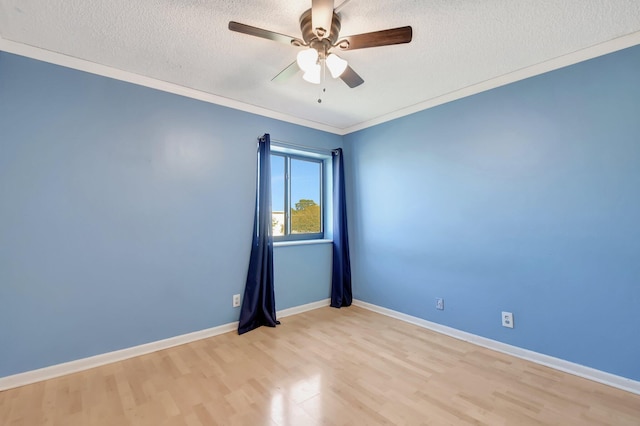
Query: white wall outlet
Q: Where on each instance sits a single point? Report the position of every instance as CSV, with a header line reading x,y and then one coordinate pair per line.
x,y
507,319
439,303
236,300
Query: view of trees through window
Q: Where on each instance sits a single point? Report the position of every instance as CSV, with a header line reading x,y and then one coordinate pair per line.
x,y
296,189
305,217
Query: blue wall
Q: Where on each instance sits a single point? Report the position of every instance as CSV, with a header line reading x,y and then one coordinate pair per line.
x,y
126,215
525,198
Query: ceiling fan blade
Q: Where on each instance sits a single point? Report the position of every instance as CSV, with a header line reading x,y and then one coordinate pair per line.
x,y
321,17
259,32
351,77
377,38
287,73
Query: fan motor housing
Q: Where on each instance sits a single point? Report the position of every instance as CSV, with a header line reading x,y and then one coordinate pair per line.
x,y
309,36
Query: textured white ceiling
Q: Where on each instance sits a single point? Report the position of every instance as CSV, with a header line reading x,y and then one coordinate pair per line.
x,y
456,44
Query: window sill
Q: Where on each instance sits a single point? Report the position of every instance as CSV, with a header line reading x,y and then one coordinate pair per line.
x,y
300,243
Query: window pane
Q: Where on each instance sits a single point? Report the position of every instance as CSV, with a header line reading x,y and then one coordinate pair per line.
x,y
277,195
305,196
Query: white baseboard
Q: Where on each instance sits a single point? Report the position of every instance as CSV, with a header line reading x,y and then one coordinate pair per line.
x,y
58,370
589,373
303,308
75,366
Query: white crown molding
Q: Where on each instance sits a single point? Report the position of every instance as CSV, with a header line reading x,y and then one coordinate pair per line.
x,y
106,71
591,52
33,376
542,359
141,80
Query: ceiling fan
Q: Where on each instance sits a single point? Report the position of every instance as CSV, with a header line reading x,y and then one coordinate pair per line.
x,y
320,27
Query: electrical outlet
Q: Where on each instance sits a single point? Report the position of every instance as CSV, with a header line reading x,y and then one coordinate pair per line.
x,y
439,304
236,300
507,319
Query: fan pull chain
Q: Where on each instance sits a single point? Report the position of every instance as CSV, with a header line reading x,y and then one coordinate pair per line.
x,y
322,81
320,95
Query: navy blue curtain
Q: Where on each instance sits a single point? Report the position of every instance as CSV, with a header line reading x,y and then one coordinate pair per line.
x,y
258,303
341,277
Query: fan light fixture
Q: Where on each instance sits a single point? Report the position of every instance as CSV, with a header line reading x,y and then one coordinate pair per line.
x,y
307,59
308,62
336,65
312,75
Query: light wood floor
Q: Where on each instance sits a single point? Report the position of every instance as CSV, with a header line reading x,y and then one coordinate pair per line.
x,y
328,366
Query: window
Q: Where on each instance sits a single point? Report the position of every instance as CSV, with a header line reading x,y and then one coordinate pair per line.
x,y
297,196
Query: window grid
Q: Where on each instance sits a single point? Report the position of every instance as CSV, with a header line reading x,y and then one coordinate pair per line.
x,y
316,209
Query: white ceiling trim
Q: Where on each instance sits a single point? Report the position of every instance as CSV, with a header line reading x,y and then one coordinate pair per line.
x,y
591,52
106,71
141,80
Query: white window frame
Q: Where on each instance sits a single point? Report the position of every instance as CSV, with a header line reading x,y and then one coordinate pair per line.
x,y
325,194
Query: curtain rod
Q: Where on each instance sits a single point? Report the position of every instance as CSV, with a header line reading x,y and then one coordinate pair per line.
x,y
286,144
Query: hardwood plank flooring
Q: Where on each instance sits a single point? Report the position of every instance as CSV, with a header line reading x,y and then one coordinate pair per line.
x,y
327,366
